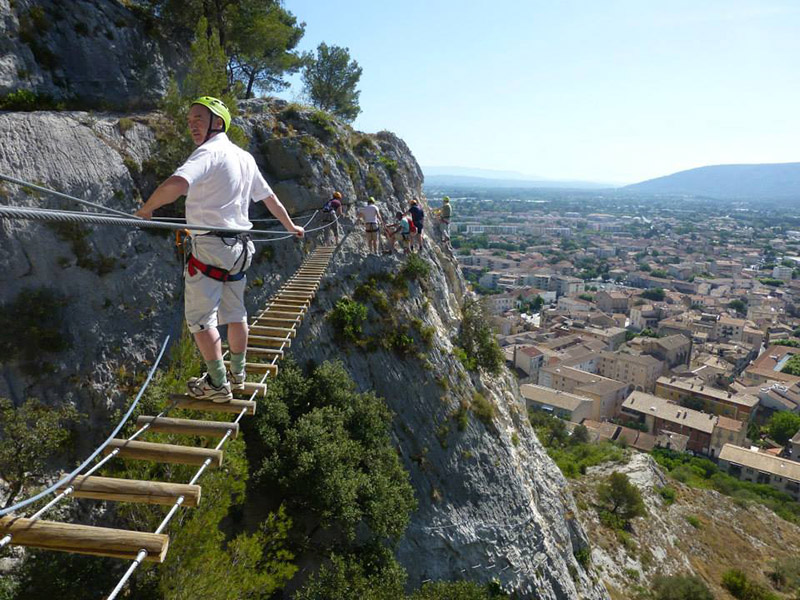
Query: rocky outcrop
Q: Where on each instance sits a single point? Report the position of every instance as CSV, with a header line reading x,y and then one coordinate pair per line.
x,y
491,503
88,52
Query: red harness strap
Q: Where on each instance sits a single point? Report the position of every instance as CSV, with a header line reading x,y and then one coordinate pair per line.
x,y
216,273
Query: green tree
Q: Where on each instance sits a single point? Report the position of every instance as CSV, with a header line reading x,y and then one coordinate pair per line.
x,y
656,294
621,498
477,340
327,450
262,47
330,81
782,426
29,436
737,305
680,587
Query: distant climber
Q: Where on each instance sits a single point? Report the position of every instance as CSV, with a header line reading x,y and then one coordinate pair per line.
x,y
418,217
332,211
444,214
401,227
219,181
372,221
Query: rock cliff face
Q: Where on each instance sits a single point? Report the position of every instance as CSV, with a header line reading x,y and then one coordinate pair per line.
x,y
95,52
491,503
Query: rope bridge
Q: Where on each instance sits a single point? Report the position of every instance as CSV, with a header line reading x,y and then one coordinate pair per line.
x,y
271,333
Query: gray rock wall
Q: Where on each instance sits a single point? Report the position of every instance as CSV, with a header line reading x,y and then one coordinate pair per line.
x,y
491,503
93,52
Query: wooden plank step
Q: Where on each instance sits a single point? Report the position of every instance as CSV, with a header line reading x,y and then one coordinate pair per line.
x,y
300,290
250,387
85,539
188,426
277,315
291,294
263,341
262,368
258,368
297,313
275,321
166,453
234,406
298,308
265,352
263,330
132,490
288,299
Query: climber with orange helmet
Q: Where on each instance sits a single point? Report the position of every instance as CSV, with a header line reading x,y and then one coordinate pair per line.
x,y
219,180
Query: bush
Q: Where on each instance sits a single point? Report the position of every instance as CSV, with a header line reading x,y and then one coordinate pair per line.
x,y
736,582
483,409
347,318
26,101
416,268
389,164
620,499
667,494
477,341
373,184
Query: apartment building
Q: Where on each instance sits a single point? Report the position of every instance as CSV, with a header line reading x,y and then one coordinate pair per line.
x,y
660,415
740,406
639,371
611,302
606,393
561,404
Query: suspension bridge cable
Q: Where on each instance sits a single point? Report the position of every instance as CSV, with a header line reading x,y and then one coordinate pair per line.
x,y
39,188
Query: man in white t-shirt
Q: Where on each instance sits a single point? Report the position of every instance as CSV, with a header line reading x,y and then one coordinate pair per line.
x,y
372,219
219,181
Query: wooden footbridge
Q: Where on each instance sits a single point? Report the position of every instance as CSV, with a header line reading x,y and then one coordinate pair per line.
x,y
271,333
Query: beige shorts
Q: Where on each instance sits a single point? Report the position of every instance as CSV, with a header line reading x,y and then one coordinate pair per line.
x,y
208,302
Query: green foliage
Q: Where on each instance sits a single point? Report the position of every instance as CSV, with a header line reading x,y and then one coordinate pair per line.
x,y
738,305
373,184
77,235
783,425
621,499
457,590
416,268
124,124
694,521
29,435
680,587
587,297
737,583
475,339
330,79
792,366
791,343
347,317
483,409
655,294
32,326
262,46
771,282
660,273
26,101
667,494
389,164
327,450
573,454
324,121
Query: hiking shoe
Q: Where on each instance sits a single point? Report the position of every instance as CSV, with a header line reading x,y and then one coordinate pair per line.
x,y
236,380
201,388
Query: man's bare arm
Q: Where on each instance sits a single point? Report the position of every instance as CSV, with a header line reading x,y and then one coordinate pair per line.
x,y
173,188
279,211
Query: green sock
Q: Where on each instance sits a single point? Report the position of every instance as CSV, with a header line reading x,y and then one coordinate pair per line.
x,y
237,362
216,371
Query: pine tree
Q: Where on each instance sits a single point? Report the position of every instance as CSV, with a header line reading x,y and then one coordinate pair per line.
x,y
330,81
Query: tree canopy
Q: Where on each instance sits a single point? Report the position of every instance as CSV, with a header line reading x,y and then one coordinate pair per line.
x,y
782,426
330,79
621,498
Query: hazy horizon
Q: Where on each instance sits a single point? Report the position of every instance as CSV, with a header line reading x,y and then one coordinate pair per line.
x,y
621,91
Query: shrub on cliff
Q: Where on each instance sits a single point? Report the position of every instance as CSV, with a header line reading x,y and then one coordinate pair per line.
x,y
680,587
476,340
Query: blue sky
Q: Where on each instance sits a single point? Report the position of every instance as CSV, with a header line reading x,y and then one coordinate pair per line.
x,y
611,91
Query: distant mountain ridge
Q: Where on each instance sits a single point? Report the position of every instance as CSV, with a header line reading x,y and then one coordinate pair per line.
x,y
488,178
778,180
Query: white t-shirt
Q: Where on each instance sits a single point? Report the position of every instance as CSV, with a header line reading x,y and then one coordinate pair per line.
x,y
223,179
370,213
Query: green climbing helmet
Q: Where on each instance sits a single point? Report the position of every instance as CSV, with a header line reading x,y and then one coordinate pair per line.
x,y
216,106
